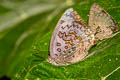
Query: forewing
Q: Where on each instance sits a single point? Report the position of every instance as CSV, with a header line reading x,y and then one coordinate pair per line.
x,y
101,23
71,39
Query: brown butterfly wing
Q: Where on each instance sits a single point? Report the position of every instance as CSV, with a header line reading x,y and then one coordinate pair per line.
x,y
101,23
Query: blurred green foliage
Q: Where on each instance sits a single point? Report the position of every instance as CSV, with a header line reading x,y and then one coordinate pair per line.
x,y
26,27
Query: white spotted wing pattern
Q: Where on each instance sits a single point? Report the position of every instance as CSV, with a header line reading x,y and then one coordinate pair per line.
x,y
71,39
101,23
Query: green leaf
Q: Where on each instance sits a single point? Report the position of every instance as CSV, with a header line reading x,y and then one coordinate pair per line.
x,y
26,27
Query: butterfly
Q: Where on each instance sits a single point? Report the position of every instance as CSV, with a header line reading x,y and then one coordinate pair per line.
x,y
101,23
72,38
